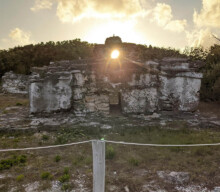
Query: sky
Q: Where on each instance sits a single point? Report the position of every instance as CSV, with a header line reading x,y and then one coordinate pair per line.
x,y
164,23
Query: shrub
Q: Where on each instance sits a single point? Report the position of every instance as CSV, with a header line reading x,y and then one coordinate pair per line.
x,y
15,160
45,137
110,152
66,170
22,159
20,177
6,164
18,104
46,175
57,158
65,187
61,140
64,178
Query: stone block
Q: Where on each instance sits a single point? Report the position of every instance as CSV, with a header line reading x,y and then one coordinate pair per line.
x,y
15,83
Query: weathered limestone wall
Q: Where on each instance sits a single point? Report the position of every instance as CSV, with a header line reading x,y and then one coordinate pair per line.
x,y
53,93
142,95
179,93
15,83
179,85
66,91
139,100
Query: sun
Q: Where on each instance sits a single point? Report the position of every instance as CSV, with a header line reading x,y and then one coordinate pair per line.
x,y
115,54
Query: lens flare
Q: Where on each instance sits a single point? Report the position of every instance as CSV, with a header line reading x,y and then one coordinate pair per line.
x,y
115,54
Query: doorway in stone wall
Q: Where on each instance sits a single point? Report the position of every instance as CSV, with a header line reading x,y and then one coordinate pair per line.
x,y
115,103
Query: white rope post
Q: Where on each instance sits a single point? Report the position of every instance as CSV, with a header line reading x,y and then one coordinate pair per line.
x,y
98,149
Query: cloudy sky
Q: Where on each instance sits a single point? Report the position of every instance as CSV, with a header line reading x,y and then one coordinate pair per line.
x,y
167,23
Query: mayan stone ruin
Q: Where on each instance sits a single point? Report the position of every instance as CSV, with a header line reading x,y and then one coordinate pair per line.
x,y
100,85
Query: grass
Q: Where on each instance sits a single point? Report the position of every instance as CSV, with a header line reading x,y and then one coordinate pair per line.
x,y
66,170
133,161
110,152
68,134
78,160
10,101
201,162
65,187
20,178
19,104
124,162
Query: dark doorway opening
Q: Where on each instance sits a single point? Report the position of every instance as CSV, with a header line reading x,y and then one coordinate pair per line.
x,y
115,103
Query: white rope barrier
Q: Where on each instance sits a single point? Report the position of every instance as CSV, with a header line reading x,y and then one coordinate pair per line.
x,y
45,147
163,145
113,142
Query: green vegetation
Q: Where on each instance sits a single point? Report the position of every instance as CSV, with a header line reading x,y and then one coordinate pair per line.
x,y
20,178
15,160
19,104
145,53
201,162
110,152
46,175
65,186
133,161
210,88
64,178
10,101
57,158
45,137
66,170
68,134
78,160
21,59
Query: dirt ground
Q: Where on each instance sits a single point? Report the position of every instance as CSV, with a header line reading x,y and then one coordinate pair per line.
x,y
210,109
128,168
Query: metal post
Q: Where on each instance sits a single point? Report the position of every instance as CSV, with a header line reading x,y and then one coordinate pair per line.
x,y
98,149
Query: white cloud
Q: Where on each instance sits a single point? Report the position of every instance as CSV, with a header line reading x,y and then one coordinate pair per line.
x,y
176,25
73,10
42,4
162,15
202,37
209,15
20,37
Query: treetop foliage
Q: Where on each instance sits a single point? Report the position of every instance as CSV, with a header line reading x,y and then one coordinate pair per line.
x,y
21,59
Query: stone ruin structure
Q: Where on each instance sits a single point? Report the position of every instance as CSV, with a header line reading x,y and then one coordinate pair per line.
x,y
103,85
15,83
